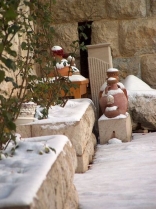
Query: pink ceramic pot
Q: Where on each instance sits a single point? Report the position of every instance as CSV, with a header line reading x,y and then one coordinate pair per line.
x,y
113,101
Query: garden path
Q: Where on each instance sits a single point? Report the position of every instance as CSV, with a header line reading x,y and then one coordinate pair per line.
x,y
122,176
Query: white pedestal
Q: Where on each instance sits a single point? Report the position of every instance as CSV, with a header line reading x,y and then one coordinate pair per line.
x,y
121,127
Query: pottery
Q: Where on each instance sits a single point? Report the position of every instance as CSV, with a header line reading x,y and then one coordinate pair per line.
x,y
113,101
113,73
62,67
66,71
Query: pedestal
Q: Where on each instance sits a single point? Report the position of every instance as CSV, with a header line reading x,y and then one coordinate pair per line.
x,y
118,127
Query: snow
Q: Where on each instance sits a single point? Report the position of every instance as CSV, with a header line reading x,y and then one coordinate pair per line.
x,y
114,141
122,175
112,70
56,48
111,108
111,79
102,88
103,117
77,78
71,113
136,87
71,78
63,63
116,91
18,174
133,83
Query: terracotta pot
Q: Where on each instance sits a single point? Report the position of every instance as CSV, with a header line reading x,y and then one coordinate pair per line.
x,y
63,72
114,101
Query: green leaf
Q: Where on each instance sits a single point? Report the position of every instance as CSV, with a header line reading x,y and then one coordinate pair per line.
x,y
11,52
11,14
52,149
9,63
1,47
9,79
2,75
23,45
11,125
13,29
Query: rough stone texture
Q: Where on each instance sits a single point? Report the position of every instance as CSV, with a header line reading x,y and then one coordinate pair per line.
x,y
148,70
138,37
16,43
58,191
64,35
25,131
78,10
79,133
105,31
142,103
87,157
122,9
142,108
152,7
127,66
128,25
121,126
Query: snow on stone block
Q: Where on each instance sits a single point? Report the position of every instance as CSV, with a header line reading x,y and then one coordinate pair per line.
x,y
142,102
75,120
119,126
32,180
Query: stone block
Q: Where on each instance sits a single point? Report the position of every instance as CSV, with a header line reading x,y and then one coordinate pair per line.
x,y
142,102
121,9
24,130
78,11
52,187
137,40
148,70
78,132
108,34
121,127
87,157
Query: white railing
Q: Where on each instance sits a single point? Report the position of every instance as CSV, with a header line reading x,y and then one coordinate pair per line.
x,y
97,76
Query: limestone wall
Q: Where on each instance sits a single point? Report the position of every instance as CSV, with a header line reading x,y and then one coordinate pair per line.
x,y
78,132
128,25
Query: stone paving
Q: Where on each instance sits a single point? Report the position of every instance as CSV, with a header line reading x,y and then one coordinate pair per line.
x,y
122,176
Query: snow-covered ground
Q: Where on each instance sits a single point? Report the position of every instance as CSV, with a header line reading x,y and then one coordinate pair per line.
x,y
122,176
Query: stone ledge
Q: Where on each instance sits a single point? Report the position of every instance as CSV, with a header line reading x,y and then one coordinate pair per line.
x,y
120,126
87,157
78,132
56,190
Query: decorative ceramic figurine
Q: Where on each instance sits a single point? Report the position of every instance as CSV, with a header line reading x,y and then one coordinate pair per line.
x,y
113,72
113,96
65,67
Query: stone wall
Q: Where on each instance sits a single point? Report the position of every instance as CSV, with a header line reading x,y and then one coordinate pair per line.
x,y
128,25
78,132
